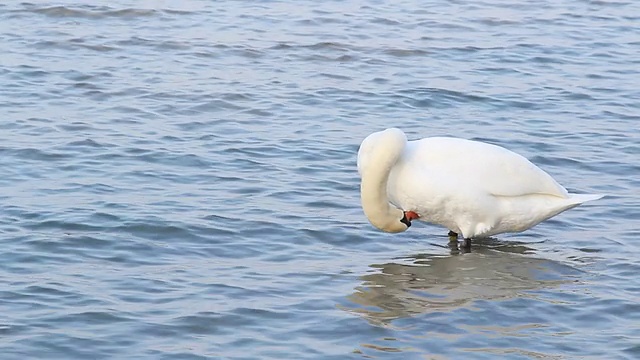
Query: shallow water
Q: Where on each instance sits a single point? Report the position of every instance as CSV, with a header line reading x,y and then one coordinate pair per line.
x,y
179,179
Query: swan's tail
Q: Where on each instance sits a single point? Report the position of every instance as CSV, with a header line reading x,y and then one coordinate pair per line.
x,y
574,200
581,198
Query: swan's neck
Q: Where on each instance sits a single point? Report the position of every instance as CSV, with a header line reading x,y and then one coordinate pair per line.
x,y
373,188
375,204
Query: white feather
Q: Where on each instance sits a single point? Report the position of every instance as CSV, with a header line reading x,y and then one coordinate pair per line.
x,y
473,188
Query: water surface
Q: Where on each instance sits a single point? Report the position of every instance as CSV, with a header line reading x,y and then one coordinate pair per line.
x,y
179,180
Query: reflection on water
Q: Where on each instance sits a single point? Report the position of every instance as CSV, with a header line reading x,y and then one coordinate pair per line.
x,y
425,283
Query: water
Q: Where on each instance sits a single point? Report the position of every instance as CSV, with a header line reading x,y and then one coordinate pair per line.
x,y
179,181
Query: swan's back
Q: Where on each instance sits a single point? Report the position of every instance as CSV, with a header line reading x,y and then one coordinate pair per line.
x,y
486,167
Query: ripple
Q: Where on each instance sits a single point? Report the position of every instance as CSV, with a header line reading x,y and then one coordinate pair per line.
x,y
91,12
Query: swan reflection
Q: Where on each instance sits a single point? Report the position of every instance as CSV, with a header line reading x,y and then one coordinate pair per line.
x,y
425,283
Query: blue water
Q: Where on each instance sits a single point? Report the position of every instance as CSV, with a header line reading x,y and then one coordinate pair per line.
x,y
178,179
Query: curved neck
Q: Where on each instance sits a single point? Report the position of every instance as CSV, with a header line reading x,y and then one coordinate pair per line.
x,y
375,202
373,187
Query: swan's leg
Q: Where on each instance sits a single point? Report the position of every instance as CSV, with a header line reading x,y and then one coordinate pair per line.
x,y
467,244
453,240
453,245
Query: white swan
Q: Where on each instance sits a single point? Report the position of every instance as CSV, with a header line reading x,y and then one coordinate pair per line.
x,y
472,188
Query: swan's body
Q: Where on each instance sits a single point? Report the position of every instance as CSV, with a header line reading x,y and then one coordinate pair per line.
x,y
472,188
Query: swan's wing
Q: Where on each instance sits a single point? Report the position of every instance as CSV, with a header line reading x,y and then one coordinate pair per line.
x,y
478,165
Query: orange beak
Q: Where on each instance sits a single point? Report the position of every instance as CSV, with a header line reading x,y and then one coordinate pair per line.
x,y
411,215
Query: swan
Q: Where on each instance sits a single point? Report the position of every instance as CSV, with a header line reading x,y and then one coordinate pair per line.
x,y
472,188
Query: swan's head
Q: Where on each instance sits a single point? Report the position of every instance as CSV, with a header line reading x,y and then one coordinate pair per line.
x,y
395,221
